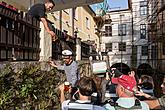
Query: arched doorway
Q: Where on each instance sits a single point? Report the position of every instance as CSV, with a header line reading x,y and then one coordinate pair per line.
x,y
122,67
144,69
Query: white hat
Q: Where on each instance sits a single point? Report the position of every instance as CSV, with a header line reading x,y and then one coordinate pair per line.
x,y
67,53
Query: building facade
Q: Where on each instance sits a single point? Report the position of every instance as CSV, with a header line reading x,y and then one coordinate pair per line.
x,y
140,33
80,20
126,38
156,36
117,37
79,23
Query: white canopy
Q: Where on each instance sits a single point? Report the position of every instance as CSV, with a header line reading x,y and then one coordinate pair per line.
x,y
64,4
60,4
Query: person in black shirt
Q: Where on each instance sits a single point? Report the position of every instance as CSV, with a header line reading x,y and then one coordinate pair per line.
x,y
38,11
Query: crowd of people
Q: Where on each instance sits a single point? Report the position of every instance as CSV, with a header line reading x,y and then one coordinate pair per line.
x,y
131,93
85,93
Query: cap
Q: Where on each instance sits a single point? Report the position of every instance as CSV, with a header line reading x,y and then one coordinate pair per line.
x,y
67,53
126,81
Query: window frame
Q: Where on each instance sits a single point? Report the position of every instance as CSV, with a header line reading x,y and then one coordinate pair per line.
x,y
108,47
144,50
142,31
108,31
143,8
122,46
87,23
123,29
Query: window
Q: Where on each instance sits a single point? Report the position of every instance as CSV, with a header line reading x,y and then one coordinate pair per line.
x,y
142,31
108,47
122,29
143,7
108,31
87,23
144,50
122,46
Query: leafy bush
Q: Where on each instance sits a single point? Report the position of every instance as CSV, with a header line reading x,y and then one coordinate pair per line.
x,y
29,89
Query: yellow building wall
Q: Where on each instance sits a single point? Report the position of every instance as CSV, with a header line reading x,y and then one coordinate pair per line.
x,y
79,24
84,32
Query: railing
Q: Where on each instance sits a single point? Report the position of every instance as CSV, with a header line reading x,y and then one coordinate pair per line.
x,y
64,42
68,42
19,35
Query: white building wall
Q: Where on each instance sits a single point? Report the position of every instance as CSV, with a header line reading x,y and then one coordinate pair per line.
x,y
137,20
117,56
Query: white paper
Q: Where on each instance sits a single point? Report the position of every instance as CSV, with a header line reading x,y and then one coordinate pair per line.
x,y
99,67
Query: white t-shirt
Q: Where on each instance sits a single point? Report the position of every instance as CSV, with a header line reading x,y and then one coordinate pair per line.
x,y
127,103
81,105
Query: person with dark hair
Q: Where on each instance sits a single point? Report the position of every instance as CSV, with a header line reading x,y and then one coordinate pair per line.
x,y
70,67
86,87
155,103
146,85
38,11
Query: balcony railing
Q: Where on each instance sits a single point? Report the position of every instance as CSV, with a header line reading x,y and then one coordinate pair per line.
x,y
19,35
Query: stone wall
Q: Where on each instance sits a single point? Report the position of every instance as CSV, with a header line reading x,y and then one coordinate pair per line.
x,y
83,66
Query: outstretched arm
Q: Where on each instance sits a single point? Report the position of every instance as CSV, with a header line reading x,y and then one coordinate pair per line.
x,y
62,96
153,104
139,93
52,64
45,23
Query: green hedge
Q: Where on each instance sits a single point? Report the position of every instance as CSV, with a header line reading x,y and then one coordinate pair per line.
x,y
29,89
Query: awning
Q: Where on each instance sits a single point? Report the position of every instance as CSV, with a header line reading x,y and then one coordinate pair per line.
x,y
64,4
60,4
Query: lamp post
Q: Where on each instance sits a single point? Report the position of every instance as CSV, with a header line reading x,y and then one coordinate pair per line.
x,y
121,32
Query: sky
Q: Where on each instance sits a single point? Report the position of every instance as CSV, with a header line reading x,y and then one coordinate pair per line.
x,y
114,4
118,4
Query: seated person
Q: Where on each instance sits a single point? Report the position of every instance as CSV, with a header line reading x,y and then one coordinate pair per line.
x,y
125,91
86,87
155,103
111,88
146,85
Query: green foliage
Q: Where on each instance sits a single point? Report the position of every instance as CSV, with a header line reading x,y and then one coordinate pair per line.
x,y
29,89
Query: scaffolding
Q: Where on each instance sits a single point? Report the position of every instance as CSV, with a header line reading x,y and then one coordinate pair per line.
x,y
156,33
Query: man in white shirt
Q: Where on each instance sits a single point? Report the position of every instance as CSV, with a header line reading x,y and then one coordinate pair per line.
x,y
125,91
86,87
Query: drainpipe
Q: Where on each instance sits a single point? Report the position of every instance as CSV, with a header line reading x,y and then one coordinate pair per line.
x,y
73,9
60,17
132,60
